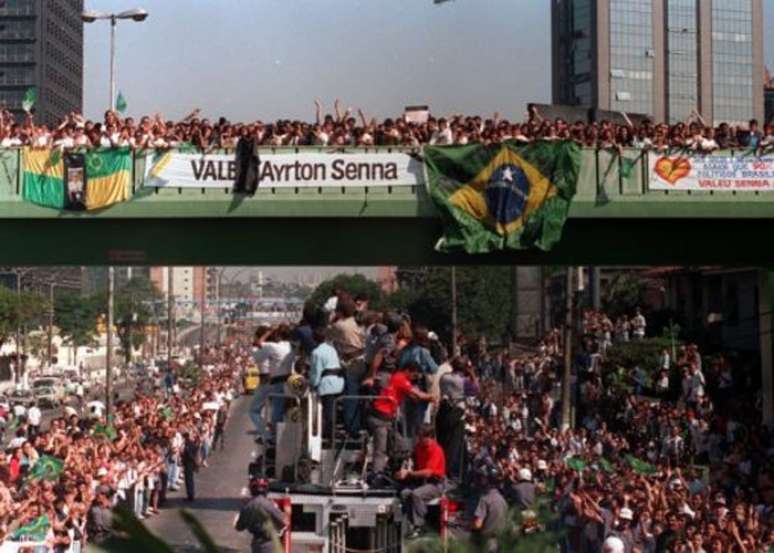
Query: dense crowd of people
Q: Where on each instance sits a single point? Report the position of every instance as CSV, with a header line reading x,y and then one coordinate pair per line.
x,y
347,128
670,456
59,485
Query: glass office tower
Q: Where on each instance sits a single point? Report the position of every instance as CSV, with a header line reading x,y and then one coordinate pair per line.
x,y
662,58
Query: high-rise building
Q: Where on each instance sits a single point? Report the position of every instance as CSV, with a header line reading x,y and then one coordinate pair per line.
x,y
41,46
662,58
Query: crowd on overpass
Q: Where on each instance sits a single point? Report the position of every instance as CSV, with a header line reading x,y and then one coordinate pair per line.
x,y
344,128
60,485
662,458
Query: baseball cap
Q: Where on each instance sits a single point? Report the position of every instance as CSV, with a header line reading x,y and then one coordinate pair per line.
x,y
626,514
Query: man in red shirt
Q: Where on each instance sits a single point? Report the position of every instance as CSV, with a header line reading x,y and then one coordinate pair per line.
x,y
425,482
384,411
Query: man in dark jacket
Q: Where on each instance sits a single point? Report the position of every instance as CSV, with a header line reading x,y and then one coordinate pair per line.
x,y
190,459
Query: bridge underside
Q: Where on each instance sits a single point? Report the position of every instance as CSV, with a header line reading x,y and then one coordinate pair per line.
x,y
371,241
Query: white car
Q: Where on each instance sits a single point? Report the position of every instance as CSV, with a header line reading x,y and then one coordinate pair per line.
x,y
52,382
46,397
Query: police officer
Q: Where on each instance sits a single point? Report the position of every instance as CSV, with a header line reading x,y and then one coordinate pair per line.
x,y
491,514
261,517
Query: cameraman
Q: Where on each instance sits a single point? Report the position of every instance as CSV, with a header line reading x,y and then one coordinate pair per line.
x,y
261,517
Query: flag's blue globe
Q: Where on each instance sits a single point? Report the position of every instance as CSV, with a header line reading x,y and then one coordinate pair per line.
x,y
506,193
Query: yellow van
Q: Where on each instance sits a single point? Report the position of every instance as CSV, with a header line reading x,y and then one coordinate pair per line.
x,y
252,380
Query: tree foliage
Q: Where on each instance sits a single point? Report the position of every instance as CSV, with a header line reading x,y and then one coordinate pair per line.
x,y
354,285
76,317
483,298
22,310
133,310
624,292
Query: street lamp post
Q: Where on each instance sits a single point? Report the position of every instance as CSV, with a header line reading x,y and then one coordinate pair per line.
x,y
109,344
51,286
135,14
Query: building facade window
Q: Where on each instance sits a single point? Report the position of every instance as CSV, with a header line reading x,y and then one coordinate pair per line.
x,y
631,56
732,67
682,59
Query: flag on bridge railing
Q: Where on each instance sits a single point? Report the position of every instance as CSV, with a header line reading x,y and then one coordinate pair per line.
x,y
108,176
43,177
503,196
91,180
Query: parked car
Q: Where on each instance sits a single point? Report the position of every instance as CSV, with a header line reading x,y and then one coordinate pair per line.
x,y
22,397
56,385
47,397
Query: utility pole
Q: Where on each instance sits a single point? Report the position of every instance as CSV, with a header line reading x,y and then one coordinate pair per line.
x,y
568,337
201,303
454,309
170,315
18,333
109,351
50,322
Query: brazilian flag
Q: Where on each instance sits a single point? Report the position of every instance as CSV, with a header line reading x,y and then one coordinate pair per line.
x,y
46,468
502,196
35,530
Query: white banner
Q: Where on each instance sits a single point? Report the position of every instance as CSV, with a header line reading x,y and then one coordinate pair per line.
x,y
711,172
179,170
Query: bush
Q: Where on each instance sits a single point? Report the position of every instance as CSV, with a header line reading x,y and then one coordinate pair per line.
x,y
642,353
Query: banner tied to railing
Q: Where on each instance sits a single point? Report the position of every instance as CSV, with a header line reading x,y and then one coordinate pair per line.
x,y
717,172
292,170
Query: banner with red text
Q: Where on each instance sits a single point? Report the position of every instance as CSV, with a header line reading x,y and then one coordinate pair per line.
x,y
711,172
285,170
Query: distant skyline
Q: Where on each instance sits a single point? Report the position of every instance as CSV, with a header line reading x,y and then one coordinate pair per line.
x,y
289,274
265,60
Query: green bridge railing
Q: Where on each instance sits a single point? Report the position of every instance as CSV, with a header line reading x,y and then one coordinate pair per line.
x,y
611,185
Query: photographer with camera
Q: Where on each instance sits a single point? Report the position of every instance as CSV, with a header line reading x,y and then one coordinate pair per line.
x,y
261,517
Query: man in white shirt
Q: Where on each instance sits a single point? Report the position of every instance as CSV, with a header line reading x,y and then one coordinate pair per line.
x,y
275,350
639,324
33,418
443,136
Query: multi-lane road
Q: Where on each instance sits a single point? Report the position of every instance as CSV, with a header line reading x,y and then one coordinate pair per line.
x,y
221,489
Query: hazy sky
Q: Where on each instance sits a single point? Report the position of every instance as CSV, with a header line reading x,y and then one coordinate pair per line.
x,y
270,58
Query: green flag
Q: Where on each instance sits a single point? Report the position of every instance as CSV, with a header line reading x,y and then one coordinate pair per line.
x,y
627,167
606,465
35,530
167,413
121,103
106,430
46,468
639,466
30,97
502,196
576,463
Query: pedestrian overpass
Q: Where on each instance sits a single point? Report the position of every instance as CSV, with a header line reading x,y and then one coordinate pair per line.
x,y
614,219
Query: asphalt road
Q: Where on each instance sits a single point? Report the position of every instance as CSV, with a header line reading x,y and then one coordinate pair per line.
x,y
220,492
